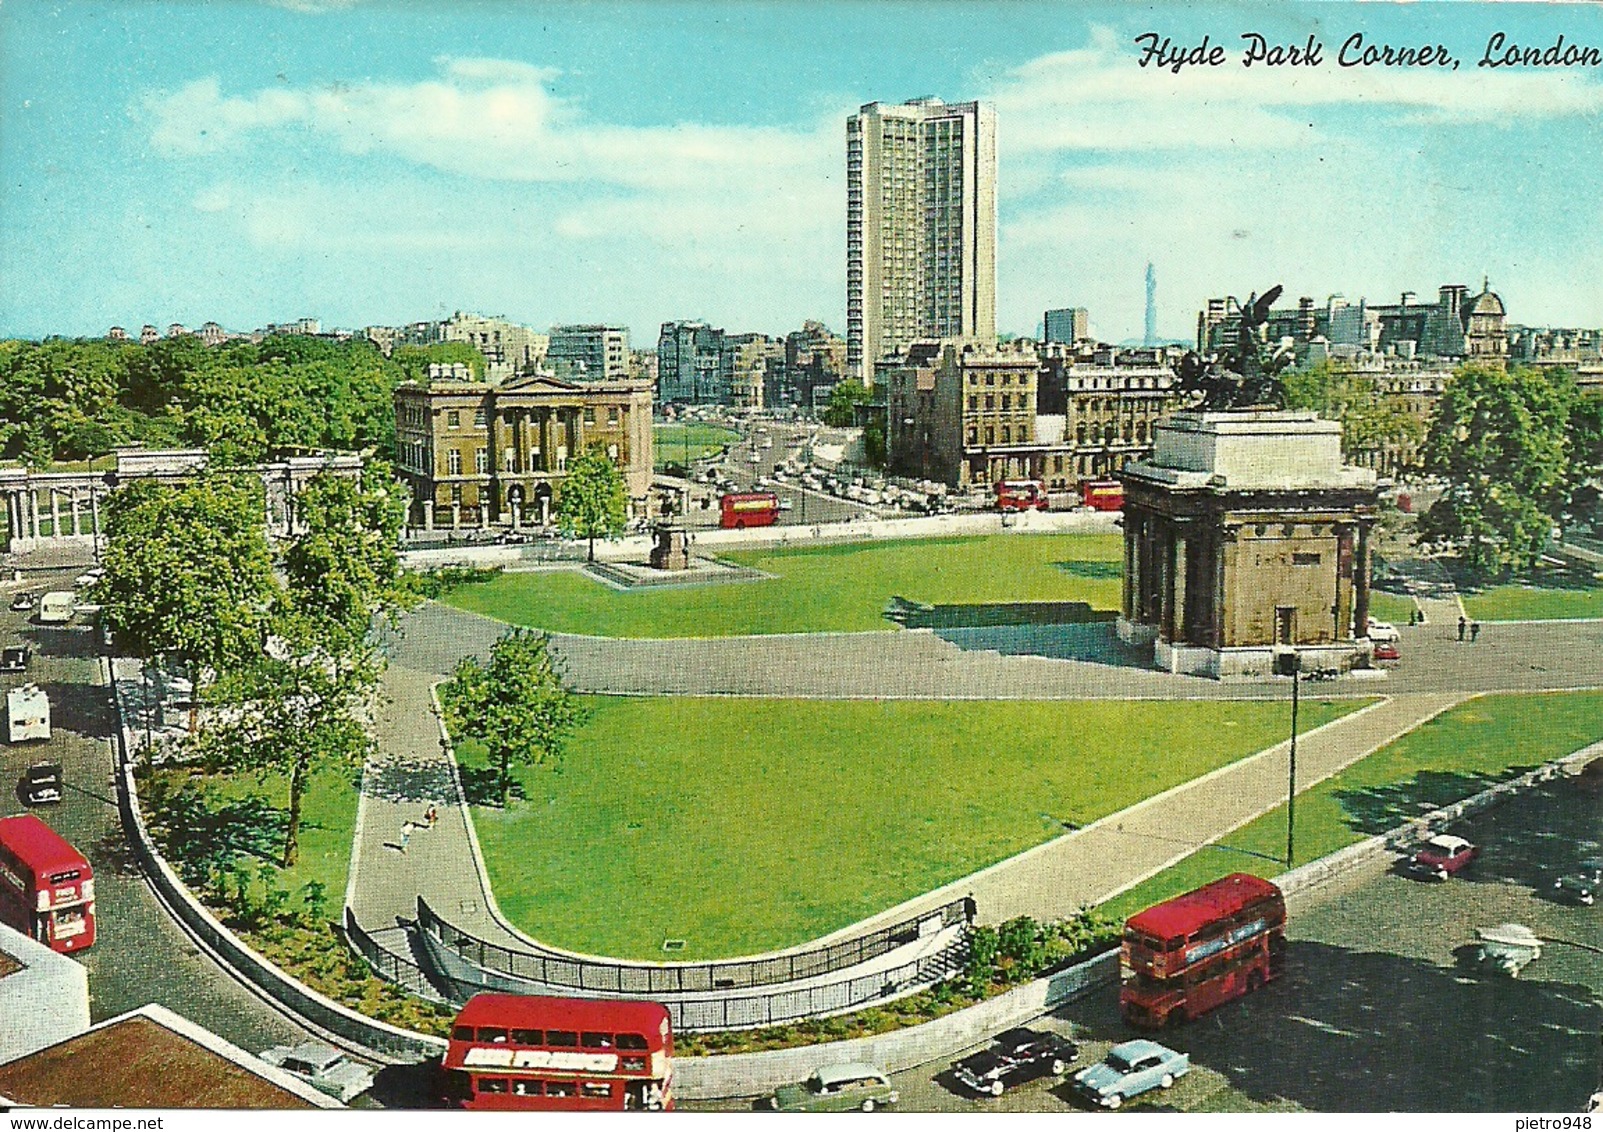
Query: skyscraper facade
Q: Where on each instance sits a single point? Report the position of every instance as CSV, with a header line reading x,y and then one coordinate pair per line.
x,y
920,227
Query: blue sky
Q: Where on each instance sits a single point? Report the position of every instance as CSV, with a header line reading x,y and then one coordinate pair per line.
x,y
368,162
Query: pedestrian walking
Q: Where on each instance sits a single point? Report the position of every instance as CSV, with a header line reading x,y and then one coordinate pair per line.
x,y
406,835
1463,623
431,815
1474,631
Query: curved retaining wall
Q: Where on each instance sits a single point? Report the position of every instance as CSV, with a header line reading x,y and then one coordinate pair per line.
x,y
377,1039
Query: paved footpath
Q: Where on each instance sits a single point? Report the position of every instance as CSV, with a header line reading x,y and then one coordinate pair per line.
x,y
1050,880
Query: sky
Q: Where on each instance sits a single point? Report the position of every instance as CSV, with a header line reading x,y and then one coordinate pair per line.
x,y
368,162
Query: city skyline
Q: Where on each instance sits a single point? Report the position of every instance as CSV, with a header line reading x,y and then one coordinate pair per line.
x,y
486,158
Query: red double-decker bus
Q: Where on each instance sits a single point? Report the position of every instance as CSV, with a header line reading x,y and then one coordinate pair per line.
x,y
1102,495
742,509
1020,495
47,890
1190,954
525,1052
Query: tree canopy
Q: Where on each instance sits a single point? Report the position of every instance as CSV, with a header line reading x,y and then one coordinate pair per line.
x,y
1371,422
516,705
188,573
1500,438
242,401
591,501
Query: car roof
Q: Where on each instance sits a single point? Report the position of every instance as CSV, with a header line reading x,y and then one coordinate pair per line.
x,y
847,1071
1138,1048
317,1053
1446,841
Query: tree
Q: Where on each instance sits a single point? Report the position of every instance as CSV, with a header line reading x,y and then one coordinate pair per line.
x,y
516,705
592,502
1585,452
188,573
344,567
1371,422
1499,437
841,411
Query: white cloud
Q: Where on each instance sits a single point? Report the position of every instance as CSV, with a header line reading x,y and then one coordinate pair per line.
x,y
494,119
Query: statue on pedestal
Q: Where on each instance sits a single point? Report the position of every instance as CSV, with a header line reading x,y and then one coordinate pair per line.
x,y
1246,377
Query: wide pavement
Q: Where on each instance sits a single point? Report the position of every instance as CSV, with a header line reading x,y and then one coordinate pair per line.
x,y
1036,662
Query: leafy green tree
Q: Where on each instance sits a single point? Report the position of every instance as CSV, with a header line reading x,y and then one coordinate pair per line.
x,y
841,411
592,502
1371,421
297,707
188,574
343,568
516,705
1500,439
1585,451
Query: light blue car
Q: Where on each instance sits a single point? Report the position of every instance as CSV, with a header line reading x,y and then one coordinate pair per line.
x,y
1130,1069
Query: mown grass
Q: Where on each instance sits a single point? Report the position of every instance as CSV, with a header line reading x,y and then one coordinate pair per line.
x,y
742,826
815,589
1457,754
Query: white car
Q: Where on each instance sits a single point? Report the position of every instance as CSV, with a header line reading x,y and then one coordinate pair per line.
x,y
88,578
1383,631
324,1067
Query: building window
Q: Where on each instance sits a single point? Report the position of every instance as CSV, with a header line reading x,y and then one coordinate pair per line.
x,y
990,435
612,415
590,414
481,460
1305,559
973,401
990,401
510,460
1007,435
453,462
453,418
478,418
1007,401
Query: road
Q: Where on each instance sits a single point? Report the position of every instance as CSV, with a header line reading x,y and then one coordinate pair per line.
x,y
140,954
784,440
1379,1009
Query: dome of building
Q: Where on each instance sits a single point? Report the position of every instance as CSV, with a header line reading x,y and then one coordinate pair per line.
x,y
1487,302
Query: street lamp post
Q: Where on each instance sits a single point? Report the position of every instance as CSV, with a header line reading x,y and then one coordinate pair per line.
x,y
1290,664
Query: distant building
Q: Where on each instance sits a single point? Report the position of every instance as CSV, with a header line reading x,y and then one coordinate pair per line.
x,y
151,1058
1067,325
591,352
815,361
479,454
920,227
117,334
213,334
1456,325
176,330
694,365
965,416
149,335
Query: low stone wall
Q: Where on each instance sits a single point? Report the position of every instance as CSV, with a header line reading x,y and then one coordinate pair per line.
x,y
636,548
372,1038
748,1074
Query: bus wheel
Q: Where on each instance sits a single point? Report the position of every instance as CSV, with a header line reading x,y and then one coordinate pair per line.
x,y
1254,980
740,524
1167,1082
1115,1101
1058,1067
996,1088
868,1104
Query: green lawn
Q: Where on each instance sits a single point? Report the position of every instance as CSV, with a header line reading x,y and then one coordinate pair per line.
x,y
328,822
816,588
673,442
1534,603
742,826
1395,608
1459,753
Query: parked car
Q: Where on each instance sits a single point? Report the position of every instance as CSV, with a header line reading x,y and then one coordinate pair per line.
x,y
324,1067
837,1088
1385,650
23,602
14,658
1130,1069
41,784
1016,1055
88,577
1507,948
1383,631
1583,883
1440,857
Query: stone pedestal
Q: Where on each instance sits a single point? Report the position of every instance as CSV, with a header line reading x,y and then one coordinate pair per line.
x,y
1245,533
672,549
